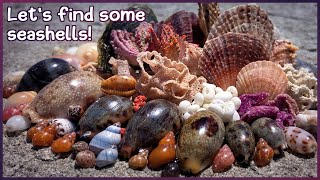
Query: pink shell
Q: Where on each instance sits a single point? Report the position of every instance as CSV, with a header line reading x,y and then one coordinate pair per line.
x,y
300,140
223,160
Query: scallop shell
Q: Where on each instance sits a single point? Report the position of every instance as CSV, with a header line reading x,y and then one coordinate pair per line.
x,y
248,19
224,56
262,76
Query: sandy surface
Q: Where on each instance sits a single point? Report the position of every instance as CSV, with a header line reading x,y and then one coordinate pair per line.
x,y
296,22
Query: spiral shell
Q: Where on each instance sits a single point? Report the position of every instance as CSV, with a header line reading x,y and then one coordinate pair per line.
x,y
263,154
223,160
300,140
80,146
140,160
85,159
64,126
63,144
17,123
45,137
262,76
107,157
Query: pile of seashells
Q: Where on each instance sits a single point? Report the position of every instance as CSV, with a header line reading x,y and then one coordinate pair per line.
x,y
181,95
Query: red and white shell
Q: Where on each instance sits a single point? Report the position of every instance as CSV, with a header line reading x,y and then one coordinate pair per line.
x,y
300,140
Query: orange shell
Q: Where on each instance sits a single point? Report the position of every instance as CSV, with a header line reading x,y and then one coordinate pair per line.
x,y
122,85
33,130
168,139
18,98
283,52
263,154
64,144
262,76
139,161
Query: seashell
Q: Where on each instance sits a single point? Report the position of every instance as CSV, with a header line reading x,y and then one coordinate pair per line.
x,y
270,131
262,76
224,56
233,90
80,146
199,99
79,88
64,144
17,123
63,126
308,121
283,52
107,157
18,98
223,160
240,139
189,54
33,130
45,137
73,60
171,170
223,96
263,154
225,110
237,102
104,112
300,140
12,111
208,92
10,83
75,112
88,52
246,19
42,73
103,140
149,125
85,159
164,152
72,50
139,161
208,15
199,140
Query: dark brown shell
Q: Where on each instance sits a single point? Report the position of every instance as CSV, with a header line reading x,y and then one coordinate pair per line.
x,y
208,15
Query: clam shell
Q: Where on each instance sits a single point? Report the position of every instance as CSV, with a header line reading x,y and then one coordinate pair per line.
x,y
262,76
224,56
248,19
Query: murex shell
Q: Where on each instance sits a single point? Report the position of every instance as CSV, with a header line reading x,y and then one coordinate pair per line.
x,y
262,76
79,88
224,56
200,139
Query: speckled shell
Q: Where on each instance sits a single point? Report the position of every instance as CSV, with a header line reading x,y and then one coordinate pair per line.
x,y
263,154
262,76
149,125
139,161
208,15
107,157
10,83
85,159
110,136
104,112
270,131
17,123
240,139
224,56
308,121
63,126
63,144
80,146
199,141
223,160
248,19
18,98
43,73
76,88
300,140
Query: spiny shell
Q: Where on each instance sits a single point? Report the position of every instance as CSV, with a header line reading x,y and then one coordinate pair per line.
x,y
63,126
10,83
208,15
17,123
224,56
248,19
308,121
139,161
76,88
263,154
300,140
240,139
262,76
107,157
199,141
63,144
85,159
18,98
223,160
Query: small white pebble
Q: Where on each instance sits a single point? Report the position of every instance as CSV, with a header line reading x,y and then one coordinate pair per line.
x,y
72,50
208,94
217,101
183,106
236,101
18,123
216,108
218,90
233,90
236,116
199,99
186,115
193,108
206,106
201,109
228,109
224,96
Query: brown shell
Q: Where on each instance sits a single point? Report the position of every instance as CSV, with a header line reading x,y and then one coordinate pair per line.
x,y
208,15
123,85
262,76
223,57
248,19
283,52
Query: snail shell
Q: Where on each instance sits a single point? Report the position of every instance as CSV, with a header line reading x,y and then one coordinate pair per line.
x,y
223,160
45,137
17,123
263,154
80,146
85,159
18,98
33,130
107,157
64,126
63,144
171,170
139,161
300,140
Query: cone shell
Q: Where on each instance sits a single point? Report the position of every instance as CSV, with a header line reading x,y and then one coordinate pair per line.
x,y
262,76
247,19
224,56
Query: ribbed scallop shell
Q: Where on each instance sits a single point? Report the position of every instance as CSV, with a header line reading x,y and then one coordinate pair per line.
x,y
262,76
224,56
248,19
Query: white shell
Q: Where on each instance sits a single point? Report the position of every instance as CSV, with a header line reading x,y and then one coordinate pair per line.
x,y
193,108
218,90
236,116
199,99
107,157
17,123
63,126
233,90
228,110
217,101
236,101
208,93
224,96
72,50
186,116
216,108
184,105
201,109
300,140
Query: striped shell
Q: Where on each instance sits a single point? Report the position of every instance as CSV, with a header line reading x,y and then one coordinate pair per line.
x,y
224,56
262,76
248,19
300,140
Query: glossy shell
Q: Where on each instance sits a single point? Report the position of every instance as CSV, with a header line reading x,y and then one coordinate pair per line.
x,y
76,88
149,125
12,111
139,161
263,154
18,98
240,139
199,141
45,137
308,121
104,112
17,123
63,144
300,140
171,170
122,85
43,73
10,83
63,126
270,131
85,159
107,157
33,130
223,160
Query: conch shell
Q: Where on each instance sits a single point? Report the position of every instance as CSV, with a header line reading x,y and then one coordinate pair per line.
x,y
262,76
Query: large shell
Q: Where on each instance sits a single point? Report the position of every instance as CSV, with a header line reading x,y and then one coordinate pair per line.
x,y
248,19
224,56
18,98
262,76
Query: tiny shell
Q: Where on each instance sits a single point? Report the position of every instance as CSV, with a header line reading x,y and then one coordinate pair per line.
x,y
139,161
88,52
263,154
63,126
80,146
33,130
122,85
223,160
300,140
63,144
18,98
171,170
85,159
107,157
45,137
17,123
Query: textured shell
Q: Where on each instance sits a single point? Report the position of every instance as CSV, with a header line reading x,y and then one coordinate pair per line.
x,y
191,57
139,161
247,19
224,56
300,140
199,141
308,121
240,139
63,144
10,83
80,146
223,160
17,123
270,131
18,98
262,76
85,159
208,15
104,112
149,125
263,154
121,85
76,88
106,157
63,126
283,52
43,73
105,139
